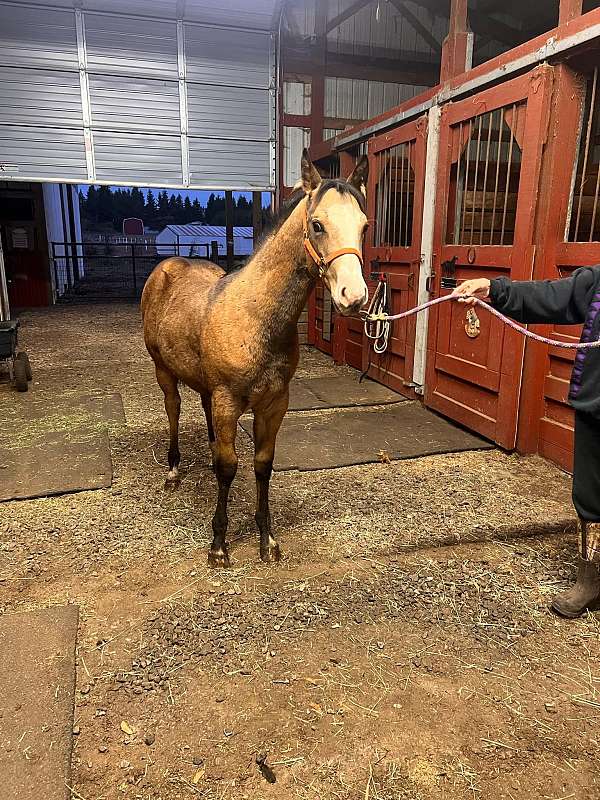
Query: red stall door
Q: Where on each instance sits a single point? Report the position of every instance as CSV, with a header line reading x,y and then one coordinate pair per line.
x,y
490,156
394,250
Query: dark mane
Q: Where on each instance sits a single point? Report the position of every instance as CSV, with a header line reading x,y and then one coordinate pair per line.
x,y
343,187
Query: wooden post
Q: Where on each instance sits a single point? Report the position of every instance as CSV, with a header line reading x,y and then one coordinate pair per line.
x,y
229,228
457,48
568,10
560,154
256,216
317,99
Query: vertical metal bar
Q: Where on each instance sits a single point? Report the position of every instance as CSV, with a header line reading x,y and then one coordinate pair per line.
x,y
427,243
458,200
466,186
498,160
384,196
183,105
406,186
256,216
407,214
477,156
485,176
4,302
508,168
379,204
229,232
594,111
394,240
133,268
273,100
73,232
595,208
388,239
586,152
84,88
400,189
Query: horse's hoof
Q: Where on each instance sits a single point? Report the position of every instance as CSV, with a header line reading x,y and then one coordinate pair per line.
x,y
218,559
271,553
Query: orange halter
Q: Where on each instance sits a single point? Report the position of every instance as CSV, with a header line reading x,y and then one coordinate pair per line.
x,y
324,262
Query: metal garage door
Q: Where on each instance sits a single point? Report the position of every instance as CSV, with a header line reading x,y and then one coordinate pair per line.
x,y
93,96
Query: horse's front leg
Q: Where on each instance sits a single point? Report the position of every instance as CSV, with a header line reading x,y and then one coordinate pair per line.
x,y
226,412
266,426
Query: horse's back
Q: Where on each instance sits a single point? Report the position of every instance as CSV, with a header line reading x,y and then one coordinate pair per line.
x,y
176,287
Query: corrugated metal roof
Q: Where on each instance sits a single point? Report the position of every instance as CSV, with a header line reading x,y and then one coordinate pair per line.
x,y
195,229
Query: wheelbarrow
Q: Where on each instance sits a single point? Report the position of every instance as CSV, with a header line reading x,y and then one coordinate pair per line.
x,y
18,364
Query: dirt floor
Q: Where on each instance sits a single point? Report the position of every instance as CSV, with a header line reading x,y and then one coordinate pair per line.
x,y
402,649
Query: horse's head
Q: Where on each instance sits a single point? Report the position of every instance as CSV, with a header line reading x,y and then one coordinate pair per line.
x,y
335,229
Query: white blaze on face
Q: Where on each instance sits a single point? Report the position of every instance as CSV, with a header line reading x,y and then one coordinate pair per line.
x,y
344,224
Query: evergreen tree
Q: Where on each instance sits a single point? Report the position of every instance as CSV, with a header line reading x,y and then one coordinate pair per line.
x,y
105,204
163,216
243,212
188,212
151,209
197,211
91,205
137,203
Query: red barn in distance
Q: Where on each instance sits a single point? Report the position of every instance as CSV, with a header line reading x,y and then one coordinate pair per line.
x,y
133,226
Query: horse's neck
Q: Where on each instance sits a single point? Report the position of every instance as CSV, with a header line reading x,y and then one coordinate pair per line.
x,y
278,275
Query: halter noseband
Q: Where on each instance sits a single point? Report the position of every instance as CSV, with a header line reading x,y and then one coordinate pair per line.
x,y
324,262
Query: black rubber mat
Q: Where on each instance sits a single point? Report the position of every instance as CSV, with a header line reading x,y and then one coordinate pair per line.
x,y
54,462
338,391
343,437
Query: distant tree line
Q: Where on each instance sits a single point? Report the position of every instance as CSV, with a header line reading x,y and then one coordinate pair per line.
x,y
104,207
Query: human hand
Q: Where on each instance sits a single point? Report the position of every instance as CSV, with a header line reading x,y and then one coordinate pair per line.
x,y
468,291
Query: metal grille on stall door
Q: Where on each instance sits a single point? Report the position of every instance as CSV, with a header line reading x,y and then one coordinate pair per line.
x,y
395,196
485,177
332,169
584,222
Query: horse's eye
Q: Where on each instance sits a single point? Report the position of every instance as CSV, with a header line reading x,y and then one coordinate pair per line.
x,y
317,227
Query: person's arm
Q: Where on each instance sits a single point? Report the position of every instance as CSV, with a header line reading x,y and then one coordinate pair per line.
x,y
563,302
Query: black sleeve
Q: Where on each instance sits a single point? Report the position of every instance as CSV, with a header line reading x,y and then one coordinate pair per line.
x,y
563,302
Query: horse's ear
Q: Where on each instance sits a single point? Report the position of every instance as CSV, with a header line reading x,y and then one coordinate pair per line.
x,y
310,177
360,175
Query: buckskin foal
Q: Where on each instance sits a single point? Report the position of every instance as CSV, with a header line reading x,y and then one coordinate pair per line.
x,y
233,338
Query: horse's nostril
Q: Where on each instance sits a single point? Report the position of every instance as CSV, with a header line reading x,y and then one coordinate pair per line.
x,y
344,293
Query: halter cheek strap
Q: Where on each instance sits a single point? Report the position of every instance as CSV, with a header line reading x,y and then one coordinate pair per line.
x,y
324,262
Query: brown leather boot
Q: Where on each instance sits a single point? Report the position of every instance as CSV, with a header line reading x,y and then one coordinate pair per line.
x,y
585,594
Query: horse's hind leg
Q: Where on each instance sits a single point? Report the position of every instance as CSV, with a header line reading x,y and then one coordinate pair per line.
x,y
225,414
266,427
207,406
168,383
